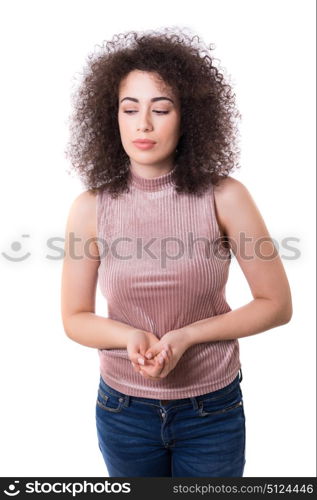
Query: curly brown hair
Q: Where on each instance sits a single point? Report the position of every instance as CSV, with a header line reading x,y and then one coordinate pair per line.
x,y
206,150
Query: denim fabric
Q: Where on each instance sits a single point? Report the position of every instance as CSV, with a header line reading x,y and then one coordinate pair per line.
x,y
201,436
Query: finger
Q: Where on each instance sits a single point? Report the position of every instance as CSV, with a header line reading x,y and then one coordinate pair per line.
x,y
159,361
137,358
153,371
146,375
166,366
136,367
164,372
164,354
167,349
153,351
163,357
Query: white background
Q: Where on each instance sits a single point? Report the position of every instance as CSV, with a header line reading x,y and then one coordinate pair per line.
x,y
49,383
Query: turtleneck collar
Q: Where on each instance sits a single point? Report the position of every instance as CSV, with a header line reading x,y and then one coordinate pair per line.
x,y
153,184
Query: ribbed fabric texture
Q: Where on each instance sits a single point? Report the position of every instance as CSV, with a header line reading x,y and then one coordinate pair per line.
x,y
162,268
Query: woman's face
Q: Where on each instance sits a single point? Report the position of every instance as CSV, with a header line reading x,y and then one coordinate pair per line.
x,y
148,109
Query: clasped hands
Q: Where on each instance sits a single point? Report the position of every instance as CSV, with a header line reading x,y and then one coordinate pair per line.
x,y
153,358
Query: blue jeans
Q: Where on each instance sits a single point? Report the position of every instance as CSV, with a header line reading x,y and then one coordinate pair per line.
x,y
201,436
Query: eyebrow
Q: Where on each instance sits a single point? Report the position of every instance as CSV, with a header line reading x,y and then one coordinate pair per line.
x,y
154,99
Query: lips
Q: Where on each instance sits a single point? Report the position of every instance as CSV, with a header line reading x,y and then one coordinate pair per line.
x,y
144,144
144,141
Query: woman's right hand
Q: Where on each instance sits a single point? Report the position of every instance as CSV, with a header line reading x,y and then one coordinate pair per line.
x,y
139,342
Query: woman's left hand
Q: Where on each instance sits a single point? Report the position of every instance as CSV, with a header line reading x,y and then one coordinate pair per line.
x,y
175,344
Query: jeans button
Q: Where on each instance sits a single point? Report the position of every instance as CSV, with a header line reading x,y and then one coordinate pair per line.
x,y
120,399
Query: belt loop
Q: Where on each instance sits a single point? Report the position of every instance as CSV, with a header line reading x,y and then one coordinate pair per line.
x,y
240,375
194,402
127,400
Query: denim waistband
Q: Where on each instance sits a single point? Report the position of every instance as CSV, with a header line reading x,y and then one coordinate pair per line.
x,y
194,399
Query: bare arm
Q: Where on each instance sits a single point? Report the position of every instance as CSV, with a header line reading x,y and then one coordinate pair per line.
x,y
264,271
79,282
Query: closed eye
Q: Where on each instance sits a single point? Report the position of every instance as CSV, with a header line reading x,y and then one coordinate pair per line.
x,y
155,111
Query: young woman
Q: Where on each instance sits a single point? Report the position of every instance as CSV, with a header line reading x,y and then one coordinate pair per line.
x,y
154,143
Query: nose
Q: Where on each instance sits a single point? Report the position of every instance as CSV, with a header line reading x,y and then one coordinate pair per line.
x,y
144,122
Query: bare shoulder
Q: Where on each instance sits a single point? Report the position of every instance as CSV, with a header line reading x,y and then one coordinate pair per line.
x,y
229,188
83,212
232,199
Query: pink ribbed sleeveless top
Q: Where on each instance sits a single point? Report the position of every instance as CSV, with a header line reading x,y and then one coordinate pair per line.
x,y
163,266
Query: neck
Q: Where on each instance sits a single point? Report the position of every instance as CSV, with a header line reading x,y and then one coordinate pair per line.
x,y
153,183
150,171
